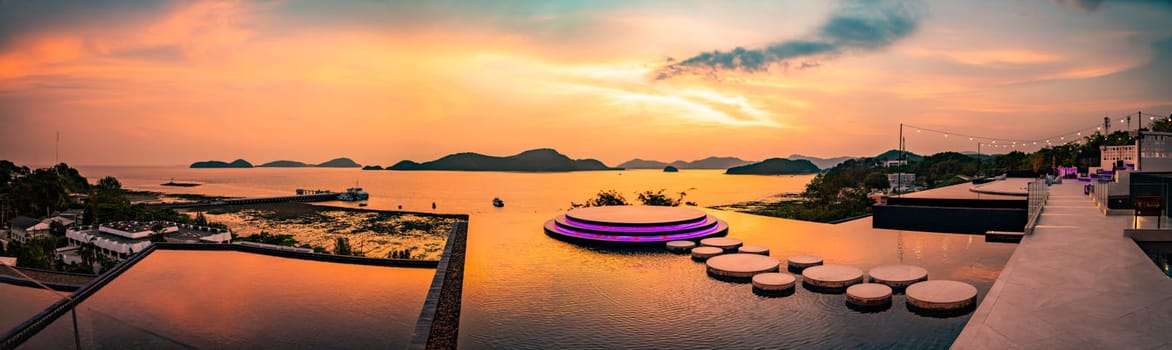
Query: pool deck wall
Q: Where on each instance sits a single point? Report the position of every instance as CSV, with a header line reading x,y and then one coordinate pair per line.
x,y
439,320
1075,283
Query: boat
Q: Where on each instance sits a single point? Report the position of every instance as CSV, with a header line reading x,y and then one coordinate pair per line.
x,y
354,194
362,204
497,202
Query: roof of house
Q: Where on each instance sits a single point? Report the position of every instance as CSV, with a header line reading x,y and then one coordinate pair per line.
x,y
22,222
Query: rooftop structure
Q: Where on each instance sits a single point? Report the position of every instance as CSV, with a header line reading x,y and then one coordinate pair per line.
x,y
634,224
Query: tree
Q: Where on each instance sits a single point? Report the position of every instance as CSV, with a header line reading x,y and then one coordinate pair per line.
x,y
342,246
158,233
109,184
268,238
657,198
1161,124
876,180
604,198
56,228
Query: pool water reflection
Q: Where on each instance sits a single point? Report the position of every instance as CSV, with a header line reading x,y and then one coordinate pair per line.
x,y
525,290
217,299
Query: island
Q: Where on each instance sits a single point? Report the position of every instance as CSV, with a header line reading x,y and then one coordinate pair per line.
x,y
372,167
775,166
340,163
670,169
642,164
239,163
536,160
706,163
283,164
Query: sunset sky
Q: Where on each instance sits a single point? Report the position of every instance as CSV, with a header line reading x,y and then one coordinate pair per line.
x,y
172,82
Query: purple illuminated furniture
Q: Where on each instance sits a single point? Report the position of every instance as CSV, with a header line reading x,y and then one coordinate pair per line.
x,y
630,224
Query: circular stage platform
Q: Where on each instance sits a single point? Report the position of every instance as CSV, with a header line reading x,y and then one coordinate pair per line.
x,y
832,276
774,282
868,295
898,276
740,265
728,244
942,296
634,224
798,263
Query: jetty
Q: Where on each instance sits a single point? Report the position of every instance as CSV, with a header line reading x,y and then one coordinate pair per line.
x,y
316,196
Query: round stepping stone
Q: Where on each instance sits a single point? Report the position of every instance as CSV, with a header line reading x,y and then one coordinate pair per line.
x,y
754,249
774,281
728,244
680,246
801,262
868,295
741,265
898,276
703,253
832,276
942,295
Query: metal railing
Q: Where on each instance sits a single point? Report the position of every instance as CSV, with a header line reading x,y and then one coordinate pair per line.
x,y
1039,192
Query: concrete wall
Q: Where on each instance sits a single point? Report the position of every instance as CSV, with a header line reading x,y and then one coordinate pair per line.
x,y
948,219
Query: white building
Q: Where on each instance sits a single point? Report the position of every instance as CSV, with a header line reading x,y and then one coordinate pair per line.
x,y
1112,156
891,163
119,240
902,182
20,229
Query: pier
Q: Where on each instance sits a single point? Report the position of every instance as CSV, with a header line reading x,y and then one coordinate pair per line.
x,y
314,197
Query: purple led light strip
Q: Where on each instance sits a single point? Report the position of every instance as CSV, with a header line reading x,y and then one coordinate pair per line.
x,y
634,229
720,226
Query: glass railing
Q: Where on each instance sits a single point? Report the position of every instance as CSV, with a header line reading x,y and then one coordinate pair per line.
x,y
1038,193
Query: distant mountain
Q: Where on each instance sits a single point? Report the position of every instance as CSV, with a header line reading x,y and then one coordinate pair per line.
x,y
982,155
372,167
642,164
775,166
283,164
340,163
821,163
239,163
894,155
537,160
711,163
706,163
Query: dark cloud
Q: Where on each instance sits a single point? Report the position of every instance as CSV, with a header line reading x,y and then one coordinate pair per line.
x,y
856,26
1095,5
29,16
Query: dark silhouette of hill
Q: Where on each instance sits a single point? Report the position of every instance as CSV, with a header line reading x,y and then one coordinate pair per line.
x,y
821,163
283,164
706,163
239,163
340,163
642,164
894,155
775,166
537,160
